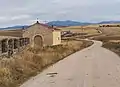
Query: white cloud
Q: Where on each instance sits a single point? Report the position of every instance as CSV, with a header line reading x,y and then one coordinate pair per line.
x,y
3,18
14,12
20,17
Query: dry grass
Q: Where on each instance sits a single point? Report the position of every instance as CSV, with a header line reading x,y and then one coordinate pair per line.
x,y
14,33
103,38
32,61
110,31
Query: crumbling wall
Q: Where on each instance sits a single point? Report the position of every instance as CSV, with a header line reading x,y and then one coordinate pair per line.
x,y
10,46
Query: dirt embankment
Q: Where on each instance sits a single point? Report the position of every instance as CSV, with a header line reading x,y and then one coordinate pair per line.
x,y
103,38
31,61
113,45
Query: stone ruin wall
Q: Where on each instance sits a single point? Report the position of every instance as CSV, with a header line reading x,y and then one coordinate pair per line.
x,y
10,46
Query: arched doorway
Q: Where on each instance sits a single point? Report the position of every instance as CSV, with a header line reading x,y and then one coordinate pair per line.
x,y
38,41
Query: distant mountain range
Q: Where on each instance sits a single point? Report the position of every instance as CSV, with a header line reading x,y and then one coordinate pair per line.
x,y
74,23
64,23
67,23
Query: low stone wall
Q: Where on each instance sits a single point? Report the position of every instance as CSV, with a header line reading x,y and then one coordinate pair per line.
x,y
10,46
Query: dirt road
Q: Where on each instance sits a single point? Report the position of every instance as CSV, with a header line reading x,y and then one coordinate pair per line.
x,y
92,67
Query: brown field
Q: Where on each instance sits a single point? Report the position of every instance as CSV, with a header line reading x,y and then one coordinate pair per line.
x,y
110,30
80,29
102,38
108,33
14,33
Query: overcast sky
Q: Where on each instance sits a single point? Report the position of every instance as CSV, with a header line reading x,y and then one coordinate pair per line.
x,y
20,12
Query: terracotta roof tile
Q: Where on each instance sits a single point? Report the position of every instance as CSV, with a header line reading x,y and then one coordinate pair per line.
x,y
45,25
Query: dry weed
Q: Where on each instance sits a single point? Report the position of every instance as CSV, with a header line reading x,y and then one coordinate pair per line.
x,y
31,61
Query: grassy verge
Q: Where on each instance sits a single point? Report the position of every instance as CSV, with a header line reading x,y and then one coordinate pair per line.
x,y
32,61
113,45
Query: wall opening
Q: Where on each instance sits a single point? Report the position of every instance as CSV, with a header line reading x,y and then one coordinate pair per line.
x,y
10,44
15,43
4,45
10,47
21,42
38,41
